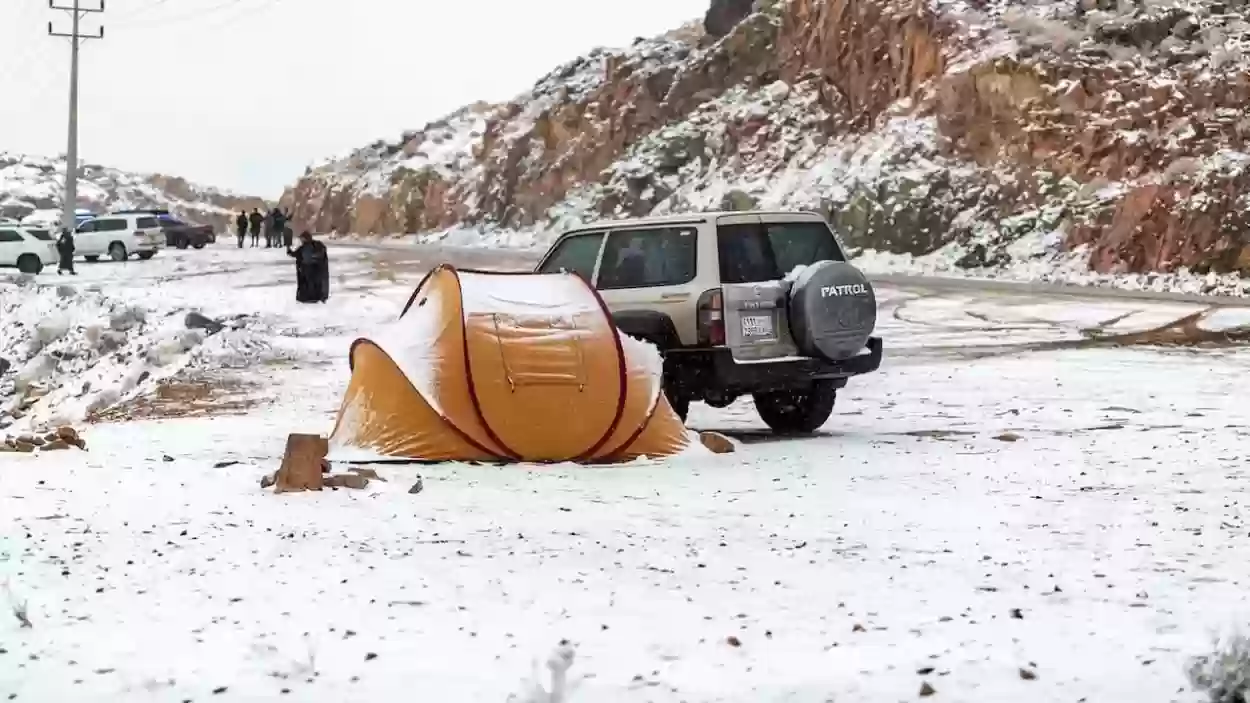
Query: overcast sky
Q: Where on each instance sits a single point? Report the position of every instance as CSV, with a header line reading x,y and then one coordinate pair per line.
x,y
245,93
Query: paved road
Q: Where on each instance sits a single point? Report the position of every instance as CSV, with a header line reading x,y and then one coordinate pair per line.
x,y
473,257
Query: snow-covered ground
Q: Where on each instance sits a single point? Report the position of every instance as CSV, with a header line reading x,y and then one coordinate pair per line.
x,y
987,515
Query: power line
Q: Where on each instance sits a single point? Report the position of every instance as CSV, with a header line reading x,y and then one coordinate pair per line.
x,y
182,17
76,38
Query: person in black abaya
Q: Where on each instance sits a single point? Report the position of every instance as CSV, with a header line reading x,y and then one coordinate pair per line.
x,y
312,270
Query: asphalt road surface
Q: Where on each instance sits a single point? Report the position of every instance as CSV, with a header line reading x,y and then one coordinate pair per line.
x,y
472,257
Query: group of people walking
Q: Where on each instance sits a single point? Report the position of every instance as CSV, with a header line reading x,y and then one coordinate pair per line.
x,y
275,225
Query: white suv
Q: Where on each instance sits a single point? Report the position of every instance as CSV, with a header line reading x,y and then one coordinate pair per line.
x,y
27,248
739,303
119,236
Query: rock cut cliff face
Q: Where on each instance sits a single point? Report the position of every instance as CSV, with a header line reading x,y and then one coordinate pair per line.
x,y
988,130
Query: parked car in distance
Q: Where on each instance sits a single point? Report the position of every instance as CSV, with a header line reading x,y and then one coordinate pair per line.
x,y
27,248
120,236
184,234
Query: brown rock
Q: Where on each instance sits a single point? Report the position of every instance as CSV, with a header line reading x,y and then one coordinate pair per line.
x,y
367,473
67,433
30,439
301,464
717,442
346,481
54,445
1008,437
80,443
24,447
5,447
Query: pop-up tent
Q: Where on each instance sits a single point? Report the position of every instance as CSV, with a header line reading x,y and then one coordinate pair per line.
x,y
505,367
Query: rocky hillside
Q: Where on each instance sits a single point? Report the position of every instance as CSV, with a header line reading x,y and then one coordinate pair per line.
x,y
33,187
983,130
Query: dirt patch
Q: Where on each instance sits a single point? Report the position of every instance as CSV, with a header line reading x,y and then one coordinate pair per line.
x,y
189,396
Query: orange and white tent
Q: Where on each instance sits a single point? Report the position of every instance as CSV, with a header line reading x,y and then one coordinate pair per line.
x,y
505,367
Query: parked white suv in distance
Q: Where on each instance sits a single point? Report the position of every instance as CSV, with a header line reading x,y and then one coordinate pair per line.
x,y
28,249
119,237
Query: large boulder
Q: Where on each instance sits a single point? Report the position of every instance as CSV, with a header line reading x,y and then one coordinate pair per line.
x,y
724,15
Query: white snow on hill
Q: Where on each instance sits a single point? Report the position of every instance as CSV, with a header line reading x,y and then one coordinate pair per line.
x,y
32,189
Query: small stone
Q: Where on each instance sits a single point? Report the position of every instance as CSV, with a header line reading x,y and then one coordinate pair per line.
x,y
858,628
733,641
926,690
924,670
67,433
1028,674
370,656
1008,437
717,443
417,487
268,480
166,458
1017,614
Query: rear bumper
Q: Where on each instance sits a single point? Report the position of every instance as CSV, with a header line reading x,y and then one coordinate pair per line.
x,y
695,372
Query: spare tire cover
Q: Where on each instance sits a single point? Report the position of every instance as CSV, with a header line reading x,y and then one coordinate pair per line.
x,y
833,310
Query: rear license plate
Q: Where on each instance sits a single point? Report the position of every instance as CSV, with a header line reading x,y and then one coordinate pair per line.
x,y
757,326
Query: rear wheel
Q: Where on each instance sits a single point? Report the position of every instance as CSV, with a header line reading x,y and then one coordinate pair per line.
x,y
29,263
198,245
117,251
145,255
797,412
181,242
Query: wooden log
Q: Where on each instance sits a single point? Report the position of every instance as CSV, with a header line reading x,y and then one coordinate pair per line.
x,y
301,464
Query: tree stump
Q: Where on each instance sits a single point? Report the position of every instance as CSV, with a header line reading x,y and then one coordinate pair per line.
x,y
301,464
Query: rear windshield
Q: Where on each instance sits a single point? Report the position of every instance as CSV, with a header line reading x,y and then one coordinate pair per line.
x,y
753,253
41,234
146,223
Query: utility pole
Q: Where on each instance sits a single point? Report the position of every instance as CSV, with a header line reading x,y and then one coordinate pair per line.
x,y
76,12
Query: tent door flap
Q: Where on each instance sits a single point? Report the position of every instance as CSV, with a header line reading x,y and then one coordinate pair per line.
x,y
540,350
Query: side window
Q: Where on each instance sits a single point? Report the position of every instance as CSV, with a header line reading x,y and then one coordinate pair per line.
x,y
744,253
40,234
8,235
88,226
576,254
110,225
146,223
644,258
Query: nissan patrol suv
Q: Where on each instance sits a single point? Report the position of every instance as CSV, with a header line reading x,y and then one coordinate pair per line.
x,y
738,303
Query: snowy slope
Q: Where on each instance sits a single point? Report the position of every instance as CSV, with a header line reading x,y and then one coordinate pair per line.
x,y
1019,139
32,188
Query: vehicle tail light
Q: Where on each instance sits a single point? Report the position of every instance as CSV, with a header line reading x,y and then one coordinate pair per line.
x,y
711,317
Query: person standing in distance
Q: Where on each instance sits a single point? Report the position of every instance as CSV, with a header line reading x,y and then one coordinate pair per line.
x,y
256,220
65,253
240,227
